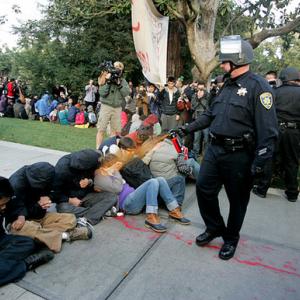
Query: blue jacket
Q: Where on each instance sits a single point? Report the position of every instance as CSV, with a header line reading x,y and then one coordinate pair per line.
x,y
42,105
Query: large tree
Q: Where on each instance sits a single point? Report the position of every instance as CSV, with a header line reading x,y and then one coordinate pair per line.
x,y
205,21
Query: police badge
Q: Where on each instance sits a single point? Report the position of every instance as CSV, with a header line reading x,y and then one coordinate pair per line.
x,y
266,100
242,91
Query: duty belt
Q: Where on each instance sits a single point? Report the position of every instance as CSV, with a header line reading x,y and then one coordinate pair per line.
x,y
228,143
292,125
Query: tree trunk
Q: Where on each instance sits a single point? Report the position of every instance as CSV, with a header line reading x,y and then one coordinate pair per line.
x,y
174,60
199,19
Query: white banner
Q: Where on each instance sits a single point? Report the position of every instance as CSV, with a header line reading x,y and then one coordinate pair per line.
x,y
150,36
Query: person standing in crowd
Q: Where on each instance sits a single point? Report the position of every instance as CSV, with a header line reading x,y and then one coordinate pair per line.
x,y
243,128
168,98
288,113
199,105
271,77
112,92
90,94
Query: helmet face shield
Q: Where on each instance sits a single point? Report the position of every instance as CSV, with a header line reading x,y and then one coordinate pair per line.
x,y
235,50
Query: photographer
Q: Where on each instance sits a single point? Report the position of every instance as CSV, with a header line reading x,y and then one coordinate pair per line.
x,y
112,89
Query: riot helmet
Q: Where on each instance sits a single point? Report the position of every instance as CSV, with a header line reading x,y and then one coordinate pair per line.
x,y
235,50
289,74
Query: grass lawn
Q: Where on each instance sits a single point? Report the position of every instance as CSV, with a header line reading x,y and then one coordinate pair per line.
x,y
47,135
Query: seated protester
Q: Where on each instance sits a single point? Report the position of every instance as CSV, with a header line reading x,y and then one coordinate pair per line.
x,y
141,135
42,107
136,122
72,110
131,201
52,106
164,161
153,121
28,211
73,186
109,144
81,116
62,114
3,104
92,119
19,110
28,108
53,116
17,253
136,172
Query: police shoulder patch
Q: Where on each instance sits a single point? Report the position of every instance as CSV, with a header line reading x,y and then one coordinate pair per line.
x,y
266,99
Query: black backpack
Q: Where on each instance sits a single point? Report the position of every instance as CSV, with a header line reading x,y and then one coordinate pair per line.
x,y
136,172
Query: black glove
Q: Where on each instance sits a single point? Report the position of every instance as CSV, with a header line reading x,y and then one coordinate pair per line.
x,y
181,131
256,171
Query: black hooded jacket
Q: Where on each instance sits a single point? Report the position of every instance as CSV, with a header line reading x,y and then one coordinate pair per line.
x,y
69,170
29,184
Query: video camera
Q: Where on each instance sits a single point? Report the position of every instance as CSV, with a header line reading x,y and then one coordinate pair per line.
x,y
109,67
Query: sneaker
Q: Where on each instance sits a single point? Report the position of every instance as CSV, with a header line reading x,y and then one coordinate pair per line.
x,y
83,222
112,212
39,258
80,233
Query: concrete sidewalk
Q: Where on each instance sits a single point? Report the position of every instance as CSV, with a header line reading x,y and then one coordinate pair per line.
x,y
125,260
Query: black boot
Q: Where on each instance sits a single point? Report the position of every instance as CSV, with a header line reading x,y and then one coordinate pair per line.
x,y
39,258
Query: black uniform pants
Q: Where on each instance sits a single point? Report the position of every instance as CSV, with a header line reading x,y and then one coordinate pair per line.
x,y
231,169
263,182
13,250
289,154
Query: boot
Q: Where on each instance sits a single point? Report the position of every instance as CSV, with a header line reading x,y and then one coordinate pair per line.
x,y
152,221
177,215
39,258
80,233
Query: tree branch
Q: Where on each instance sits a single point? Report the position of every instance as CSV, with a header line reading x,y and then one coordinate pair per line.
x,y
239,15
176,14
257,38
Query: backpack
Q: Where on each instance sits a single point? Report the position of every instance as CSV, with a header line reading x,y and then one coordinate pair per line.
x,y
92,118
80,118
136,172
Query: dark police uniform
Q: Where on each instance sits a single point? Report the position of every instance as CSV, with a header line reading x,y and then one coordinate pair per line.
x,y
288,113
243,129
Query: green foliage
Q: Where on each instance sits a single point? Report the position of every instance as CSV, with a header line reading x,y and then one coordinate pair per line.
x,y
273,55
75,36
68,45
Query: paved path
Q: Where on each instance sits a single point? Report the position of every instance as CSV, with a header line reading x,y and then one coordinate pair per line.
x,y
125,260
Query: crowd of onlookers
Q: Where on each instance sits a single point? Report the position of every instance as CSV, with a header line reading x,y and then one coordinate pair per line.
x,y
59,106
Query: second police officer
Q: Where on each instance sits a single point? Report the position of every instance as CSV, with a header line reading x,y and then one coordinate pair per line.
x,y
288,113
243,131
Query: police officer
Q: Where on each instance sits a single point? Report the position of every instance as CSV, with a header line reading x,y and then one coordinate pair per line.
x,y
288,113
243,130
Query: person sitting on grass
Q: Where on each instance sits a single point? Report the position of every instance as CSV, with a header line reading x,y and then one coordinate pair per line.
x,y
18,254
62,114
72,110
131,201
28,214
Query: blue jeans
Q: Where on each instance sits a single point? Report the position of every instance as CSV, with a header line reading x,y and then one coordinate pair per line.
x,y
177,187
195,166
146,194
197,140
